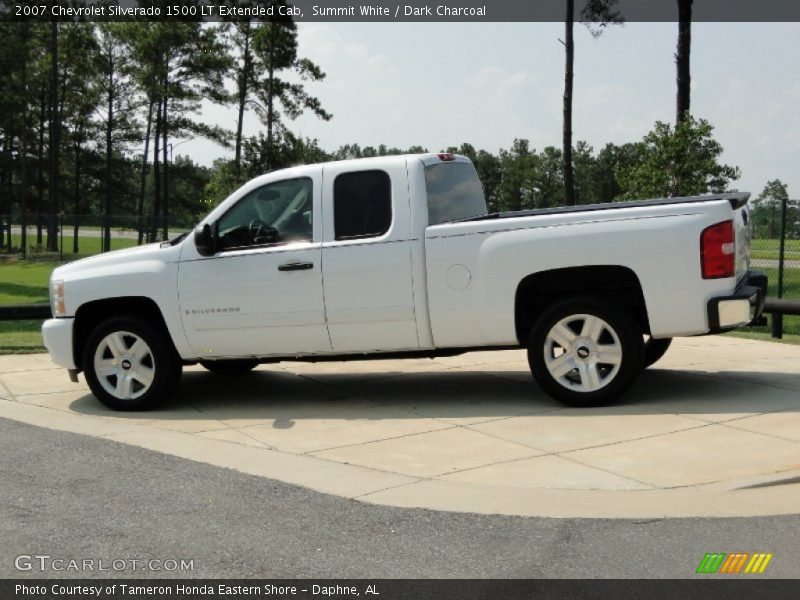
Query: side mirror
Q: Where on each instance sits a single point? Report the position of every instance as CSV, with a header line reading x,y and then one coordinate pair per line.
x,y
205,240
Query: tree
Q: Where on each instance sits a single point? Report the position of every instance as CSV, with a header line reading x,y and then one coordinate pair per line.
x,y
79,97
683,161
225,177
187,178
594,11
682,60
583,161
767,208
193,69
223,180
24,175
241,36
284,150
140,38
120,100
347,152
489,172
548,178
54,140
39,86
14,83
517,188
182,64
608,164
276,97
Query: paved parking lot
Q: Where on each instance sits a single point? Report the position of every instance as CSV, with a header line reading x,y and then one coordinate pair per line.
x,y
712,430
68,495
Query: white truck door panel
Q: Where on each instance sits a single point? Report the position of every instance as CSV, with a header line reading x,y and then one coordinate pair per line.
x,y
265,299
366,257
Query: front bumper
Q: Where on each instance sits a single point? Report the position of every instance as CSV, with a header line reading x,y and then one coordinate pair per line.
x,y
57,334
742,307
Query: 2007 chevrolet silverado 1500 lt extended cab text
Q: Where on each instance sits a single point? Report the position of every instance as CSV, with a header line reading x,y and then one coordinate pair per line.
x,y
397,256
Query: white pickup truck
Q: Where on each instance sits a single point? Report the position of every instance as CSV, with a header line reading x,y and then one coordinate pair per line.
x,y
398,256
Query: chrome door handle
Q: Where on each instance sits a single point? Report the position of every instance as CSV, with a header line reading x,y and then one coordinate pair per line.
x,y
296,266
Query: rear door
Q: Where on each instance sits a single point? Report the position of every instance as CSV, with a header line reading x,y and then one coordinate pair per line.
x,y
366,257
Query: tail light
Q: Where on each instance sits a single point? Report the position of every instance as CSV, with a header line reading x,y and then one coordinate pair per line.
x,y
718,251
447,156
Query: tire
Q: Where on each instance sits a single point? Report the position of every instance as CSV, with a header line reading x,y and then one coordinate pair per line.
x,y
130,364
584,330
654,350
230,367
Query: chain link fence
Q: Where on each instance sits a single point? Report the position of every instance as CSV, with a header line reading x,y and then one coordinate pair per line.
x,y
65,238
775,249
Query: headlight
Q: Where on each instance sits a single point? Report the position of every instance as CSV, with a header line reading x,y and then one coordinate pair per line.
x,y
57,298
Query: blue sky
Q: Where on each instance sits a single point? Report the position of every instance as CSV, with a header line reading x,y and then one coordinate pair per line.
x,y
441,84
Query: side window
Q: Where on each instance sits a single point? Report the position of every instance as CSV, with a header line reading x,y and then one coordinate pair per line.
x,y
276,213
362,204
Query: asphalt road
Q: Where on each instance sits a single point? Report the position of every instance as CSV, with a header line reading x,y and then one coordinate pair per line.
x,y
76,497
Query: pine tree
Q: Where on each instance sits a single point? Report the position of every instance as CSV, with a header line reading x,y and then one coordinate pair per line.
x,y
598,14
682,60
276,98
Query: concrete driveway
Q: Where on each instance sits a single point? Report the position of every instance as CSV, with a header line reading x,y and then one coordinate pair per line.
x,y
712,430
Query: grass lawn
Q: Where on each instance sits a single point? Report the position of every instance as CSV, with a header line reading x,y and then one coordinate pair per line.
x,y
768,249
86,244
23,282
764,336
791,282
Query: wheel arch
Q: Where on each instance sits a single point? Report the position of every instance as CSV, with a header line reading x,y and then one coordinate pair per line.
x,y
90,314
611,283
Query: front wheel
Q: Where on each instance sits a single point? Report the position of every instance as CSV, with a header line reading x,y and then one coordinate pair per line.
x,y
130,365
584,352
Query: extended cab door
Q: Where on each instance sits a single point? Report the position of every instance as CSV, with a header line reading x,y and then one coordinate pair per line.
x,y
366,256
261,293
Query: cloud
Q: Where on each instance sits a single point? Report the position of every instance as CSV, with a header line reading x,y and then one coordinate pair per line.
x,y
498,78
794,91
361,88
501,104
323,44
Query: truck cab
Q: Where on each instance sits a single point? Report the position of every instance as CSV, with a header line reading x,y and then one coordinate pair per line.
x,y
309,260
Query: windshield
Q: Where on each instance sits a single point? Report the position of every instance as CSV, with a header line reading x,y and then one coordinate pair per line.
x,y
454,192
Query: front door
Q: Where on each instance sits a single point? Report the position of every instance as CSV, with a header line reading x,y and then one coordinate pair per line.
x,y
261,293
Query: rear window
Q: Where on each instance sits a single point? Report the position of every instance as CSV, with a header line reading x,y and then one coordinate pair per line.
x,y
454,192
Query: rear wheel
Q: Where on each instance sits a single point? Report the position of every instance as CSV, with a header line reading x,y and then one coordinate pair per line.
x,y
130,365
654,350
584,352
230,367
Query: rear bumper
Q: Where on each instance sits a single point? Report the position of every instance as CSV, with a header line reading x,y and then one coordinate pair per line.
x,y
57,334
740,308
